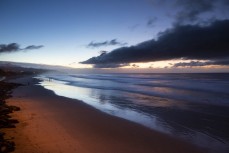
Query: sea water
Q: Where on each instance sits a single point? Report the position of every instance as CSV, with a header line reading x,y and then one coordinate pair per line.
x,y
193,107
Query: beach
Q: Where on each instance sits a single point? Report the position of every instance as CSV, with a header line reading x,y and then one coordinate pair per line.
x,y
51,123
114,76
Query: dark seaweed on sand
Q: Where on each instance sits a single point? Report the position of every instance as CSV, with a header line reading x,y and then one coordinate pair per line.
x,y
5,119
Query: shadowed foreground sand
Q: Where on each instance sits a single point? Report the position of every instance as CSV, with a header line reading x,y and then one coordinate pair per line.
x,y
54,124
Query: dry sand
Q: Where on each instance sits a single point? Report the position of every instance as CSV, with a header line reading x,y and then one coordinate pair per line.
x,y
54,124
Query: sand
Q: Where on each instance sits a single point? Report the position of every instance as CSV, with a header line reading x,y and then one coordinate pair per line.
x,y
53,124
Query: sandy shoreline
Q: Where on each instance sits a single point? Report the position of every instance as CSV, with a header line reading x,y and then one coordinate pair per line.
x,y
50,123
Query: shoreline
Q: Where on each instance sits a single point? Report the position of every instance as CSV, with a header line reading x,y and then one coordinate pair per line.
x,y
51,123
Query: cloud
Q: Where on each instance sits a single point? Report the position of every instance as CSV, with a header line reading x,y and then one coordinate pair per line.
x,y
14,47
191,9
112,42
193,42
224,62
190,64
198,11
9,47
151,22
110,65
135,65
33,47
133,27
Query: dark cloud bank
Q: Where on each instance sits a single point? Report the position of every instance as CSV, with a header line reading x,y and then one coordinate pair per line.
x,y
112,42
14,47
194,42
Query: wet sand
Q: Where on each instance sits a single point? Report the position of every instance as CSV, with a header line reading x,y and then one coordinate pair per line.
x,y
52,124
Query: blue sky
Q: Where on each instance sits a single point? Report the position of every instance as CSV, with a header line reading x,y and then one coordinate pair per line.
x,y
66,27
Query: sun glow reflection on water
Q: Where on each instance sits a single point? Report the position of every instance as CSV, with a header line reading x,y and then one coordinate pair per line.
x,y
93,98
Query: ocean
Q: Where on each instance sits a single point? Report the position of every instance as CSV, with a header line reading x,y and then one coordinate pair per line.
x,y
192,107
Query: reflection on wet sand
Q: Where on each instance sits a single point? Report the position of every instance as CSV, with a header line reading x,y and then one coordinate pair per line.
x,y
180,115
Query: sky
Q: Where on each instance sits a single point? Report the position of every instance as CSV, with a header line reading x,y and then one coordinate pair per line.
x,y
117,34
